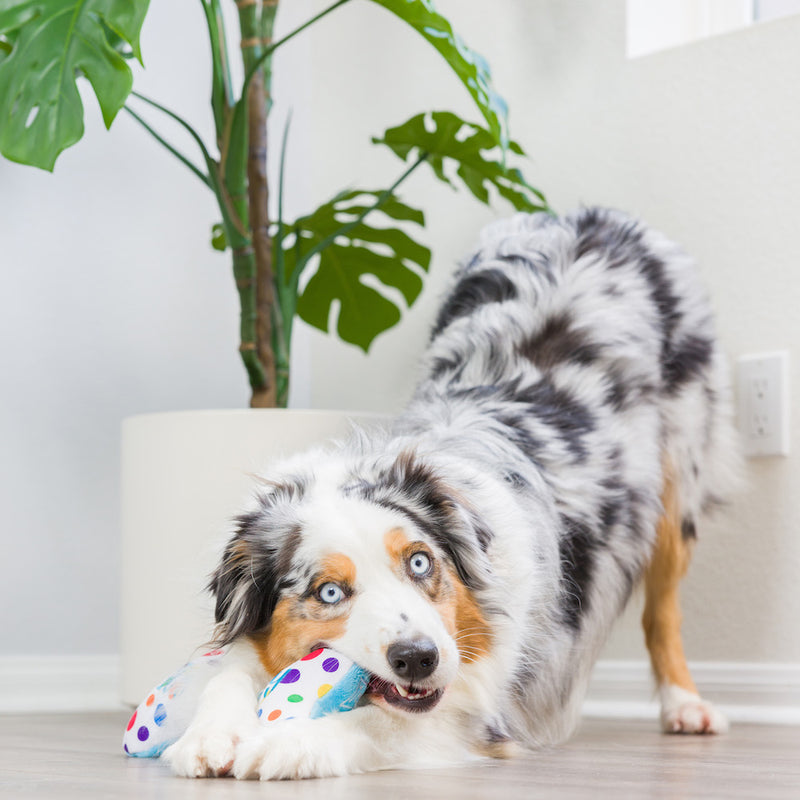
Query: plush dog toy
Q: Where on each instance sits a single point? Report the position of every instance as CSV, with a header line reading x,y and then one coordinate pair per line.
x,y
323,682
164,715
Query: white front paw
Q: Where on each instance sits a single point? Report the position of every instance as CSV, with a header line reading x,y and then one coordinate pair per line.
x,y
293,749
205,751
686,712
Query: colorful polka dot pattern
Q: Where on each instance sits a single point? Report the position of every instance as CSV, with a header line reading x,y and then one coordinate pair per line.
x,y
323,682
163,716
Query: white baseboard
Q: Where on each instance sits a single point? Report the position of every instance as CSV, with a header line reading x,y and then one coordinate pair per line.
x,y
759,693
59,683
745,692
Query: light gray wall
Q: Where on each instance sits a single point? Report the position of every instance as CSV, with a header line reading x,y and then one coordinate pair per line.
x,y
701,141
112,303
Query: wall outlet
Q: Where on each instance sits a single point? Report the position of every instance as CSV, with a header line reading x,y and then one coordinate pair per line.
x,y
763,401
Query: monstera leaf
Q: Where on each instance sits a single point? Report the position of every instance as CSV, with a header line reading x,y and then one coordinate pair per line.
x,y
6,45
366,269
48,44
447,139
470,66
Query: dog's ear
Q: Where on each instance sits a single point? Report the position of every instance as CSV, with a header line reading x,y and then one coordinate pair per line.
x,y
256,565
414,488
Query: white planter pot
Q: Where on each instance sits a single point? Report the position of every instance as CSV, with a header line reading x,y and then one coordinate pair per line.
x,y
184,478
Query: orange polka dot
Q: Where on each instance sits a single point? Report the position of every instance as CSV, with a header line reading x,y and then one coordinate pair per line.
x,y
150,700
273,715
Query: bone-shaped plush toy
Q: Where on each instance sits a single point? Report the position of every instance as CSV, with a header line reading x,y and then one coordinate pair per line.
x,y
323,682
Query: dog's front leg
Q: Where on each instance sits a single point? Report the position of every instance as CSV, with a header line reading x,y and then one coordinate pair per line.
x,y
360,740
225,717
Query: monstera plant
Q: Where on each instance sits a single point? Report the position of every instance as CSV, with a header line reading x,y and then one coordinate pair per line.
x,y
358,250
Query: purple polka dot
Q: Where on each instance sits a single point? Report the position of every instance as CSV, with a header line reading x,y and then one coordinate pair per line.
x,y
126,749
143,733
291,676
330,664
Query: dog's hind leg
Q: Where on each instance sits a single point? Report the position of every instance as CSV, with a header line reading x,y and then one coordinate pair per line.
x,y
682,708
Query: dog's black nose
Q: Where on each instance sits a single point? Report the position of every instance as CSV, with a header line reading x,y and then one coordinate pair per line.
x,y
413,659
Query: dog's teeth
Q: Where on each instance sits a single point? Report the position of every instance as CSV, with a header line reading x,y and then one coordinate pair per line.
x,y
418,695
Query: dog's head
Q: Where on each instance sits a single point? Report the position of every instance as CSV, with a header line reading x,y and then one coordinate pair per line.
x,y
385,569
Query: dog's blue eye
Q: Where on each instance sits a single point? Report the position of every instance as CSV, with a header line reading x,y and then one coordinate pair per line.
x,y
330,593
419,564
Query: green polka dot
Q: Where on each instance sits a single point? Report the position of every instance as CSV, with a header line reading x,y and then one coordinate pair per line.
x,y
295,698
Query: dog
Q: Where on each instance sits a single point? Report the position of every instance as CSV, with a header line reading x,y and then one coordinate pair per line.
x,y
570,431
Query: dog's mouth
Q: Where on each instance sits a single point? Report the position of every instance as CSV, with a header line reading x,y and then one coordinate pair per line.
x,y
414,699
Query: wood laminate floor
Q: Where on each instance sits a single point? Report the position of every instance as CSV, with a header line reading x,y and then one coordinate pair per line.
x,y
79,756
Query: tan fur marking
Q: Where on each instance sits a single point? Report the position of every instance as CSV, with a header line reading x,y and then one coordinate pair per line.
x,y
240,551
459,611
291,636
396,543
503,750
339,569
662,614
465,622
294,630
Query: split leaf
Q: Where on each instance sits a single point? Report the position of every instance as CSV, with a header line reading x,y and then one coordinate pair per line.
x,y
465,148
371,272
52,43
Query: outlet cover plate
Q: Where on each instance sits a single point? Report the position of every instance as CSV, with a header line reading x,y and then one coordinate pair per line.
x,y
763,403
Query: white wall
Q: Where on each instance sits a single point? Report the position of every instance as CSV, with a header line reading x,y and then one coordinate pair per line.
x,y
113,304
702,142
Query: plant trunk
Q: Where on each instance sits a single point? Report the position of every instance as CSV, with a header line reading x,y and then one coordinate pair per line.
x,y
258,198
252,18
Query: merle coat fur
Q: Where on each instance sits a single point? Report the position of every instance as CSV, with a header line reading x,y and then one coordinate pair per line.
x,y
570,361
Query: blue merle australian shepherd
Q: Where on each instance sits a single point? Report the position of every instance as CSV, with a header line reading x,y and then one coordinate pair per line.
x,y
569,432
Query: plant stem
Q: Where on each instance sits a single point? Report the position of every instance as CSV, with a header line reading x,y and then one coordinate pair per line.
x,y
242,181
244,274
268,51
287,298
266,25
160,139
180,120
250,22
280,341
258,199
221,90
234,227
